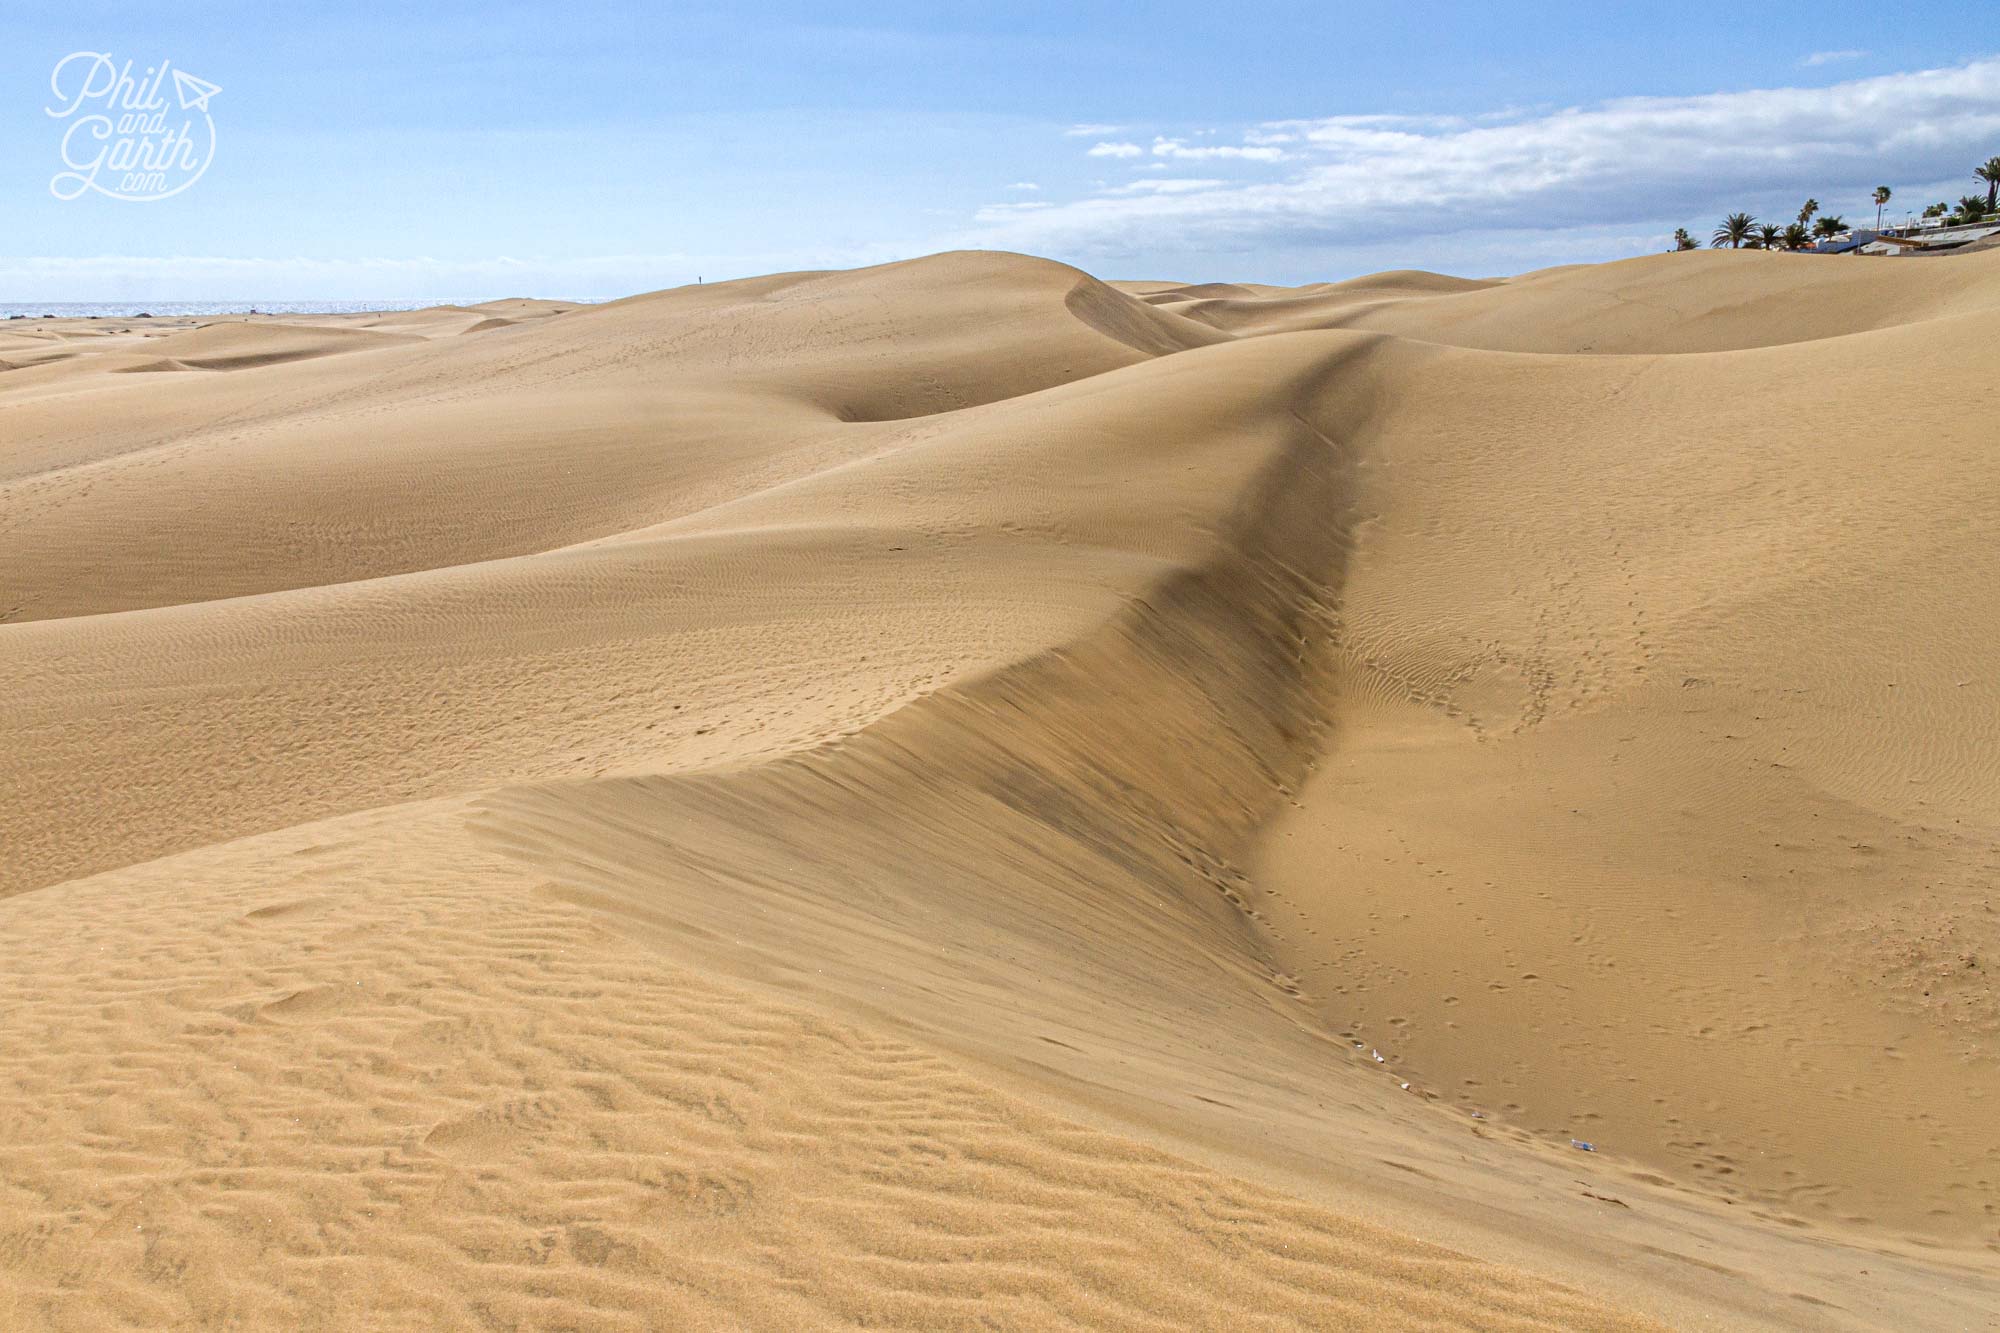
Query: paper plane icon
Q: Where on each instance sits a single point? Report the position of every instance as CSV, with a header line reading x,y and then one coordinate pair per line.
x,y
194,93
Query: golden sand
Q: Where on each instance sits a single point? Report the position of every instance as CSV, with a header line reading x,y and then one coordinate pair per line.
x,y
962,795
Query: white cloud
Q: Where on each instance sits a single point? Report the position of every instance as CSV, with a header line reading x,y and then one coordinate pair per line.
x,y
1252,153
1373,121
1819,58
1115,150
1024,186
1631,165
1092,131
1157,185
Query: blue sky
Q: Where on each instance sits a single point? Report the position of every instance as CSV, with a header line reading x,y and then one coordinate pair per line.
x,y
589,150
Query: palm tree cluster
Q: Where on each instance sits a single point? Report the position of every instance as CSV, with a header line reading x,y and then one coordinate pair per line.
x,y
1740,231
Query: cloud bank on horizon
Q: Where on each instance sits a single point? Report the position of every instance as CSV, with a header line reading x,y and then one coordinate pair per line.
x,y
1625,171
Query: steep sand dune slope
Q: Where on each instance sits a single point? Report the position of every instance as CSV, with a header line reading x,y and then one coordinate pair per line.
x,y
958,794
1674,830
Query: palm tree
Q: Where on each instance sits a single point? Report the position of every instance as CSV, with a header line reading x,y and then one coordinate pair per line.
x,y
1881,198
1829,224
1971,207
1937,210
1735,230
1768,236
1796,237
1990,173
1683,241
1806,213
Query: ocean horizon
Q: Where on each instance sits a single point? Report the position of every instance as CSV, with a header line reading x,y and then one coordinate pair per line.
x,y
181,309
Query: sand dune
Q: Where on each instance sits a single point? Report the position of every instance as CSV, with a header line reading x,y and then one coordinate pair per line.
x,y
1241,309
1706,302
241,346
964,794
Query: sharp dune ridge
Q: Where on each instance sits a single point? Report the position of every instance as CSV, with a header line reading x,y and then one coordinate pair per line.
x,y
963,794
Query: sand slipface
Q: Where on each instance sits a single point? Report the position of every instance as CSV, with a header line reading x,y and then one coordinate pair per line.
x,y
960,794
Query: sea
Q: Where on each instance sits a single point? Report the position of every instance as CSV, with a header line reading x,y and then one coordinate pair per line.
x,y
131,309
